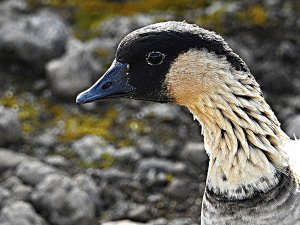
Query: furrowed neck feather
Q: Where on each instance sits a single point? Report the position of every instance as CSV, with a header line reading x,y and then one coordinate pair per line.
x,y
242,135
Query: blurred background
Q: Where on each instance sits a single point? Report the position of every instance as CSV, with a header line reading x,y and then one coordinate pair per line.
x,y
119,160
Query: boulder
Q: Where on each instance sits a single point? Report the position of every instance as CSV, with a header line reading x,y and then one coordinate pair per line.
x,y
79,66
63,201
20,213
33,39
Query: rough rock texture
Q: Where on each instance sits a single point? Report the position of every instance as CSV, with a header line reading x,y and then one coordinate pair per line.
x,y
78,67
20,213
63,202
10,129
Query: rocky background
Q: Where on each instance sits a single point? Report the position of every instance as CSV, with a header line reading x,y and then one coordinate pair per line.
x,y
119,162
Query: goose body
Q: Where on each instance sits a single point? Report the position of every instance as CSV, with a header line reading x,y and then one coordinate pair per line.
x,y
251,178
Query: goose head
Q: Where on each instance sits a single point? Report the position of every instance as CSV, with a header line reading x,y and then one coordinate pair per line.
x,y
156,63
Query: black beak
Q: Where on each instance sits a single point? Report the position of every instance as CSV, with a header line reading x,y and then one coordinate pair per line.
x,y
113,84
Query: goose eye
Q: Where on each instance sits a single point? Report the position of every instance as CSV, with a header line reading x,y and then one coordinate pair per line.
x,y
155,58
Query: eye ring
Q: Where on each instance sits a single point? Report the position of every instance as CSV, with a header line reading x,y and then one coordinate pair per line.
x,y
155,58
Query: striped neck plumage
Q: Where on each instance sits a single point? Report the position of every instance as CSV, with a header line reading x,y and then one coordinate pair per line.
x,y
242,135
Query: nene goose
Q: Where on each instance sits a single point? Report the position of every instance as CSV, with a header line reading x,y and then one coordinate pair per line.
x,y
250,177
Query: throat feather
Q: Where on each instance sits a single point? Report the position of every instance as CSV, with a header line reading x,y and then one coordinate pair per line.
x,y
244,141
242,135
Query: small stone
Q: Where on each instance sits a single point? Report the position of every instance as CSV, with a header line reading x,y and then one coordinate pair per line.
x,y
90,148
56,161
10,129
34,172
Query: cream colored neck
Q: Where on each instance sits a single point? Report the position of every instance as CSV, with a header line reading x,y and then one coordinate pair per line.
x,y
242,135
244,141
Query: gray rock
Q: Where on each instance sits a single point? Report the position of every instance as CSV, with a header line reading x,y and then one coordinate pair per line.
x,y
10,129
20,213
195,154
4,196
76,69
10,160
140,213
34,39
146,146
161,165
63,202
87,184
122,222
56,160
11,9
293,126
127,155
118,27
91,148
182,221
179,188
34,172
113,175
162,111
21,192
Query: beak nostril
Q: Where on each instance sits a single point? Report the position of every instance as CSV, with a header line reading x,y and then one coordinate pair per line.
x,y
107,85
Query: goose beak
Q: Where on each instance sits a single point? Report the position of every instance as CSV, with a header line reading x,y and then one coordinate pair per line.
x,y
113,84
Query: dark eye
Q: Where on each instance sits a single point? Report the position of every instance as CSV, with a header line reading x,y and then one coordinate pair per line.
x,y
155,58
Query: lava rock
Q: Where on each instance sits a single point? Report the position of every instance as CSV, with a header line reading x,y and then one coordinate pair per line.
x,y
33,39
20,213
63,202
76,70
10,129
34,172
